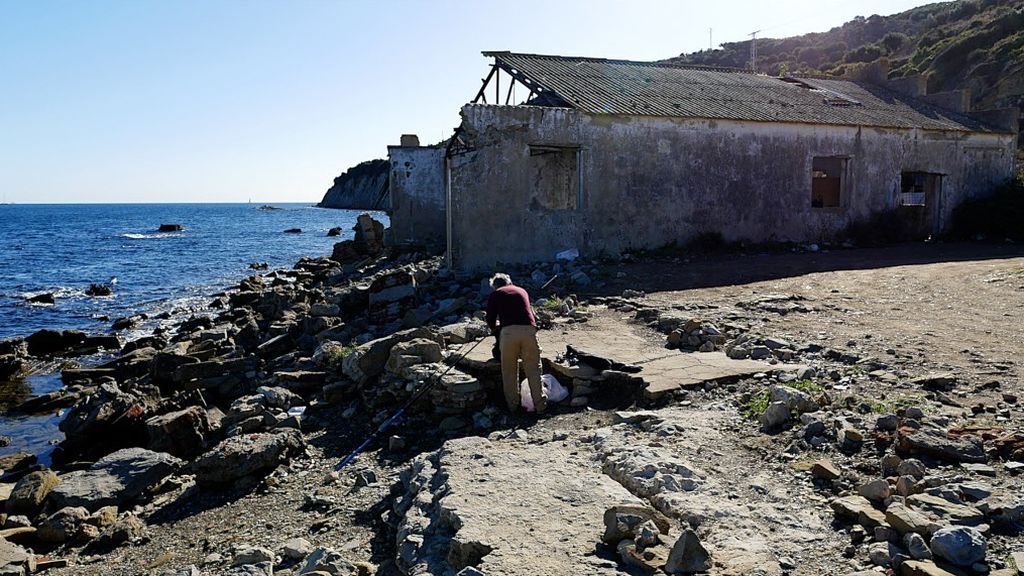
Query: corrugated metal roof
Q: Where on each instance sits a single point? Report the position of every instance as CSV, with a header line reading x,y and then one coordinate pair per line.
x,y
602,86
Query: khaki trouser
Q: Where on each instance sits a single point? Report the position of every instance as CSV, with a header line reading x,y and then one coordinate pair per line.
x,y
521,342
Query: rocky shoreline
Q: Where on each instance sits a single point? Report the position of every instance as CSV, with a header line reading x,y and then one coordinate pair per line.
x,y
237,416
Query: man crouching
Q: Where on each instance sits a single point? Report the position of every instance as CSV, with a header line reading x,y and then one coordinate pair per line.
x,y
509,311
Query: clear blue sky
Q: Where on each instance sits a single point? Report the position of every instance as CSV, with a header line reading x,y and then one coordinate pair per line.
x,y
224,100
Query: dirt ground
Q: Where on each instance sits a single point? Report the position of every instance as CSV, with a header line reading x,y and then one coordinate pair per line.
x,y
919,308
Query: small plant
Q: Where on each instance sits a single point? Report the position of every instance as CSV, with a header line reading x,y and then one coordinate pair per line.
x,y
892,404
759,401
334,356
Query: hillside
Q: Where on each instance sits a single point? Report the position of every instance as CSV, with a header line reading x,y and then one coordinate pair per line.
x,y
974,44
362,187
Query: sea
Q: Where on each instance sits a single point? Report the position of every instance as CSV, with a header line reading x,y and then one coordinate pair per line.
x,y
62,249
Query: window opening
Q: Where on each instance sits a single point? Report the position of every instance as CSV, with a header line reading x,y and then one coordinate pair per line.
x,y
827,181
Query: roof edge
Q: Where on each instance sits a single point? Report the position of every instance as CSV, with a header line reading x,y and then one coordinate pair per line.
x,y
654,64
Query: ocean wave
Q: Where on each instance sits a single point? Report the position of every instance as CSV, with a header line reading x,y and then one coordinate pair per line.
x,y
135,236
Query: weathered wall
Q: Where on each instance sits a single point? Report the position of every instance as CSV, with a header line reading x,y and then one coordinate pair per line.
x,y
362,187
649,181
417,195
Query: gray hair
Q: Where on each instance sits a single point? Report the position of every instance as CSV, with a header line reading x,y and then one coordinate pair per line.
x,y
499,280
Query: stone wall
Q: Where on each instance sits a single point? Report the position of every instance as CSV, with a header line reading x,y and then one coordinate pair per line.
x,y
645,182
417,195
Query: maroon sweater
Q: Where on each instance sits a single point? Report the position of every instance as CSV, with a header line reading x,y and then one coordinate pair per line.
x,y
510,306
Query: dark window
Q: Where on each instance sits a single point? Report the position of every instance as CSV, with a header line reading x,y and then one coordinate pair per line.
x,y
915,187
827,182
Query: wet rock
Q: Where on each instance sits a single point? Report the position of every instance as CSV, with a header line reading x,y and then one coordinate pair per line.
x,y
29,493
44,298
938,444
960,545
336,231
240,456
50,342
688,555
99,290
115,479
171,228
181,433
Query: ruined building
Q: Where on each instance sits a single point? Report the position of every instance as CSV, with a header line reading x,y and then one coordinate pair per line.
x,y
607,155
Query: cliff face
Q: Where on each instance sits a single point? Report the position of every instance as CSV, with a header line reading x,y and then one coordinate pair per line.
x,y
362,187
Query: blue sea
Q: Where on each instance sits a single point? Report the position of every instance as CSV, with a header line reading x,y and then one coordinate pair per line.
x,y
62,249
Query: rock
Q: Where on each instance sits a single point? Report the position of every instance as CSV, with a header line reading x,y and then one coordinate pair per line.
x,y
937,444
960,545
916,546
261,569
391,295
906,520
293,231
775,416
797,401
878,554
44,298
336,231
325,560
170,228
128,528
104,517
622,521
875,490
99,290
850,507
251,555
182,433
760,352
912,467
29,493
115,479
247,454
688,555
887,422
922,568
63,525
50,342
889,464
825,470
415,351
296,548
943,382
368,360
946,510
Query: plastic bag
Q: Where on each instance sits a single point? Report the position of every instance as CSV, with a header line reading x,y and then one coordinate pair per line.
x,y
553,389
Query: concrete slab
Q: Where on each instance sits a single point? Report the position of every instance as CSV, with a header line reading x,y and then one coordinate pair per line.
x,y
663,370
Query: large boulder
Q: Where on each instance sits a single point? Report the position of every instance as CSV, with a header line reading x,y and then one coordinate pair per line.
x,y
415,351
369,360
50,342
181,433
63,525
960,545
115,479
240,456
29,493
110,417
938,444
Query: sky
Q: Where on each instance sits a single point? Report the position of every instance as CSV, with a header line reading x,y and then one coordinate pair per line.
x,y
117,101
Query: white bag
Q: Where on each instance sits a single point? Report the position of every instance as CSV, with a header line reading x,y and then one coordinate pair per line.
x,y
553,389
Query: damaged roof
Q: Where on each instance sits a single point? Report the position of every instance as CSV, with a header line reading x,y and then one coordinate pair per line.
x,y
600,86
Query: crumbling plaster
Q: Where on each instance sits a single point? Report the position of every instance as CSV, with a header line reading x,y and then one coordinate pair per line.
x,y
649,181
417,195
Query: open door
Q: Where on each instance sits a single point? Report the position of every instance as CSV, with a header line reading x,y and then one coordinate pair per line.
x,y
919,202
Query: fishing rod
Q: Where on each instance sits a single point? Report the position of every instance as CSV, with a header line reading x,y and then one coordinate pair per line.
x,y
401,411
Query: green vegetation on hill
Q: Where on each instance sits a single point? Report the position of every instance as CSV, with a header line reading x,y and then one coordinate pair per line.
x,y
975,44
